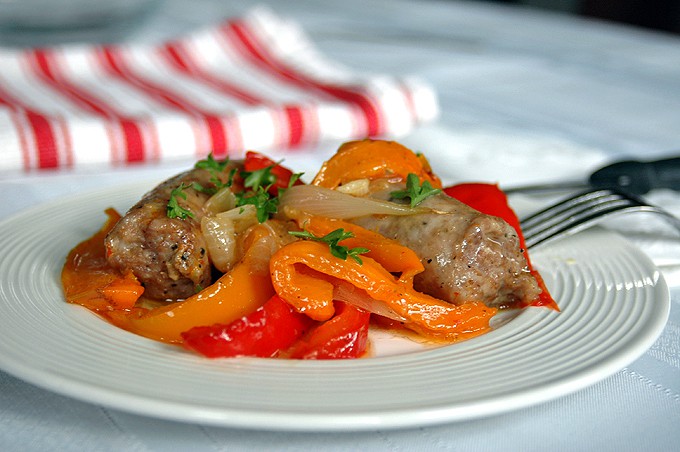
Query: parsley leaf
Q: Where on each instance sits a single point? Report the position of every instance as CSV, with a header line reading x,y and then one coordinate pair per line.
x,y
416,192
262,200
332,239
173,209
294,178
209,163
200,188
217,182
215,167
259,178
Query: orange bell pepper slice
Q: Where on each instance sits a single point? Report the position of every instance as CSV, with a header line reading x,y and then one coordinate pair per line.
x,y
373,159
304,273
123,292
389,253
236,293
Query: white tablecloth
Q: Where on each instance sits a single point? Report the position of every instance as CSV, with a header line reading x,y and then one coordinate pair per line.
x,y
525,96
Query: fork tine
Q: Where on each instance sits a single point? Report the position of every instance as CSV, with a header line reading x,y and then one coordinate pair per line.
x,y
582,211
570,211
575,223
564,207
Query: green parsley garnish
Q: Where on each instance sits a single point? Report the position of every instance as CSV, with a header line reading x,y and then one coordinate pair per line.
x,y
262,200
264,177
259,184
259,178
173,209
215,167
332,239
217,182
294,178
209,163
200,188
416,192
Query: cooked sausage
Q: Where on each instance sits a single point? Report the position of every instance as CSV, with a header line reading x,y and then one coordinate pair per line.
x,y
168,255
467,255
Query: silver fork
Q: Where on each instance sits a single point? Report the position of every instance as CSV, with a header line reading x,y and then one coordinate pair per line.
x,y
583,211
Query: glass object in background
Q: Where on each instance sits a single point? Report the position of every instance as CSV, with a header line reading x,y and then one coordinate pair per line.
x,y
48,22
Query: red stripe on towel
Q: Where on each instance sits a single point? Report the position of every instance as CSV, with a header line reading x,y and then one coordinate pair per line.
x,y
47,67
114,63
295,124
134,141
183,61
16,107
258,54
41,135
44,140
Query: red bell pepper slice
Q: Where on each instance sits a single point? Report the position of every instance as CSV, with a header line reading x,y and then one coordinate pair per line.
x,y
343,336
273,327
255,161
491,200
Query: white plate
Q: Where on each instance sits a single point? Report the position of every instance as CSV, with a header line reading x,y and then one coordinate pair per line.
x,y
614,305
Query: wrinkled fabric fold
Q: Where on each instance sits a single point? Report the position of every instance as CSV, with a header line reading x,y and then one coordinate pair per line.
x,y
252,82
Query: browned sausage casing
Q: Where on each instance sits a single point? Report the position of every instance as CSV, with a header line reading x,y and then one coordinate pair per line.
x,y
167,255
468,256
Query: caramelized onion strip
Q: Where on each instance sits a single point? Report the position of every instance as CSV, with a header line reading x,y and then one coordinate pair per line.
x,y
329,203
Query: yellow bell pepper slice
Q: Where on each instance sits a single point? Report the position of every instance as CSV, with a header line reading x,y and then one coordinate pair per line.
x,y
235,294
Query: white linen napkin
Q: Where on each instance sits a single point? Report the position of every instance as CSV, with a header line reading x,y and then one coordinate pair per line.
x,y
251,82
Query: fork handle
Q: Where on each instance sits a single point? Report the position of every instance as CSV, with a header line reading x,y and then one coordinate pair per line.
x,y
637,177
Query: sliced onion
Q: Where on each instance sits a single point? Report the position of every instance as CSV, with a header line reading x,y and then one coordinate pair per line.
x,y
333,204
221,235
220,240
359,187
221,201
243,217
359,298
263,249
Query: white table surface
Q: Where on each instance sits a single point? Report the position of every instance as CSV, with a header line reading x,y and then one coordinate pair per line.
x,y
525,96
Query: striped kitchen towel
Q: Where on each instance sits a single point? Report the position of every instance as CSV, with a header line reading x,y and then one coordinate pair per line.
x,y
253,82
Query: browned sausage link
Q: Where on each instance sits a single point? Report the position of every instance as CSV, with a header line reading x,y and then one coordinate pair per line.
x,y
168,255
467,255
